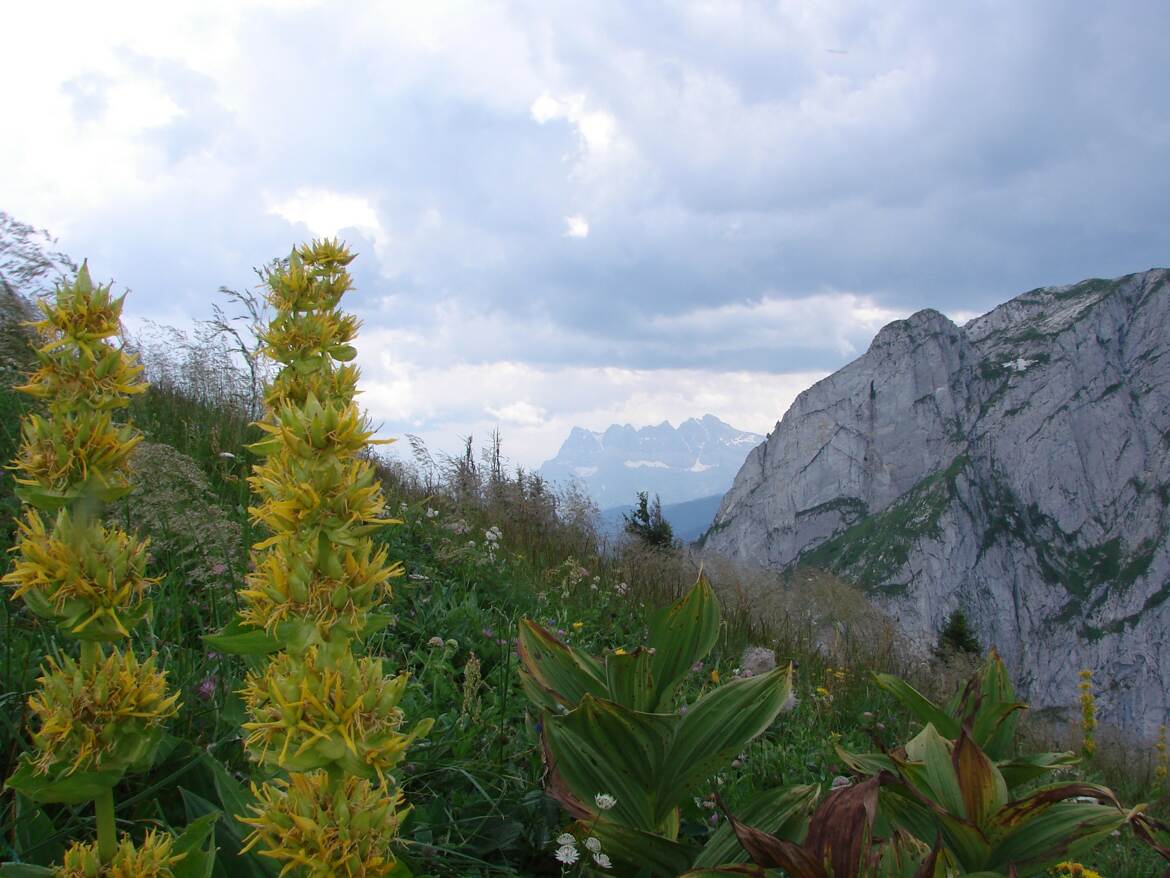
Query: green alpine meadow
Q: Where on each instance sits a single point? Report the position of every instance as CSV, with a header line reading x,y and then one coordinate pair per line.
x,y
257,646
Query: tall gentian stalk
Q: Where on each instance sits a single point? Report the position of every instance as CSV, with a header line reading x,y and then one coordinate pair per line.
x,y
324,717
99,715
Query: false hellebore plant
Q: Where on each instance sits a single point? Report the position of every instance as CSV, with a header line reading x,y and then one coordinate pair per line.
x,y
100,714
611,725
953,801
324,717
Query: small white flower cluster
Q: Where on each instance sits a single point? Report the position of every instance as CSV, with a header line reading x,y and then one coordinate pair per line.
x,y
622,589
432,513
568,854
492,541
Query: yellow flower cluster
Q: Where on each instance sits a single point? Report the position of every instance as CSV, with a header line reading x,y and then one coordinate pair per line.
x,y
98,716
89,578
311,714
1161,762
102,713
1088,713
154,858
329,719
327,829
1072,870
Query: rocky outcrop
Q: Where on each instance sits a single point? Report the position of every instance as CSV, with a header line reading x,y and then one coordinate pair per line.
x,y
1017,467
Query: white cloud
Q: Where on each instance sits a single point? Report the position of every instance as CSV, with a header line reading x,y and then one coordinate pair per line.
x,y
326,213
576,226
596,128
535,407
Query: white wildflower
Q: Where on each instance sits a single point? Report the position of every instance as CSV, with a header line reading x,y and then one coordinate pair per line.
x,y
594,844
604,801
567,854
226,455
602,860
566,838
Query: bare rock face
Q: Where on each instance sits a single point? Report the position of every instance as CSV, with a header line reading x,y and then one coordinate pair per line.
x,y
1017,467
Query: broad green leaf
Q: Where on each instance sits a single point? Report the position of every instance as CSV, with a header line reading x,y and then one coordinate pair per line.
x,y
717,727
682,634
1022,769
782,812
866,763
1061,831
919,705
65,789
25,870
930,749
376,622
37,839
563,673
632,850
234,799
749,871
983,789
197,845
602,747
631,680
239,639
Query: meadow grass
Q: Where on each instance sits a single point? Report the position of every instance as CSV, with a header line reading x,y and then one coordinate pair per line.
x,y
475,782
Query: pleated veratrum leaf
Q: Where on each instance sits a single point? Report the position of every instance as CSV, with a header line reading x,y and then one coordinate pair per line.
x,y
982,786
1044,827
635,852
1021,769
554,674
929,749
717,727
682,634
989,704
925,710
782,812
602,747
630,679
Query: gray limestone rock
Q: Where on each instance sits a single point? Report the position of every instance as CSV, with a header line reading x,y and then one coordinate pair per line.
x,y
1017,467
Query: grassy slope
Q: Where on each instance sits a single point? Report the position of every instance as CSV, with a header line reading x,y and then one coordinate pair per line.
x,y
475,783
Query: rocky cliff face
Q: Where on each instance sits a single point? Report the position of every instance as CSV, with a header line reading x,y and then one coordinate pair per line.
x,y
1017,467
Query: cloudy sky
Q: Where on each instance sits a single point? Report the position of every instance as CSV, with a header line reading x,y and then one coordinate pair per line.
x,y
595,213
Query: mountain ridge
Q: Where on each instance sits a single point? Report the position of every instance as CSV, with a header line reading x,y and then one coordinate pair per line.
x,y
696,459
1017,467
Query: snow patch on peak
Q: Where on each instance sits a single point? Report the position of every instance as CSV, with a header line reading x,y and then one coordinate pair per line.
x,y
654,464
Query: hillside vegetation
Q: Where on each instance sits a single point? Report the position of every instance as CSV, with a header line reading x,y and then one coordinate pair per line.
x,y
483,547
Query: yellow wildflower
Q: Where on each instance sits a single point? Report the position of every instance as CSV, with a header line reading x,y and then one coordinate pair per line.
x,y
715,676
577,626
101,717
151,859
329,830
309,713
